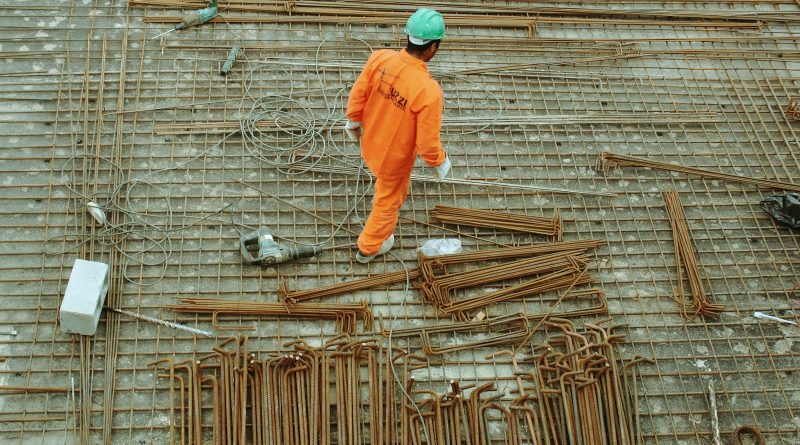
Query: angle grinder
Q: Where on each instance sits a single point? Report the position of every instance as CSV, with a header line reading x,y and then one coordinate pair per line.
x,y
259,247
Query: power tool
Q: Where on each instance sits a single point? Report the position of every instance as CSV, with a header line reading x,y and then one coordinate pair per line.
x,y
258,247
194,18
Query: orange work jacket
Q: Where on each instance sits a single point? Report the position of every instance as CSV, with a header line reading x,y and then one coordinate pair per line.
x,y
399,106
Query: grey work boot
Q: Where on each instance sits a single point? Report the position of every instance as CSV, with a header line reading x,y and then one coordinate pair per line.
x,y
385,247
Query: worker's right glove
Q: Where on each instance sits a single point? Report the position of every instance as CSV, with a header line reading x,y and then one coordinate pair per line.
x,y
443,169
353,130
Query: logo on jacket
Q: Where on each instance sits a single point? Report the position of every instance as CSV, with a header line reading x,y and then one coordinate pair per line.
x,y
388,92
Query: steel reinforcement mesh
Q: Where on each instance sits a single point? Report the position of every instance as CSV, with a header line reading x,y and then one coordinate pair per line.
x,y
95,109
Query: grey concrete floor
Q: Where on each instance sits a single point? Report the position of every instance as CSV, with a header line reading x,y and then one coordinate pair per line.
x,y
92,108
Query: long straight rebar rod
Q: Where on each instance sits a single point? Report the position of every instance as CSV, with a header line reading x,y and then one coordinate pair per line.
x,y
469,9
428,263
609,160
547,271
675,117
12,389
470,182
343,12
499,220
686,260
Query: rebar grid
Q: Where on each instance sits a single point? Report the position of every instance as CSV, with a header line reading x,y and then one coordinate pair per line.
x,y
728,91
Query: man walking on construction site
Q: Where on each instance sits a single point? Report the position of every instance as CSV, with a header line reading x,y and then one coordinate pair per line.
x,y
395,110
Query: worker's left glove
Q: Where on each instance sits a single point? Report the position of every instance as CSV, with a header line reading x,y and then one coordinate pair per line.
x,y
353,130
443,169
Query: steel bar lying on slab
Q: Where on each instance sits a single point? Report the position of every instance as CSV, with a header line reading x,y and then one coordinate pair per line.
x,y
345,391
439,286
686,259
506,330
11,389
610,160
468,9
575,390
433,180
547,267
581,388
427,263
593,294
485,22
664,118
345,314
292,297
462,309
479,15
499,220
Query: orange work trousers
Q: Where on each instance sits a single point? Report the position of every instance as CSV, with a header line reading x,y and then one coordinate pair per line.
x,y
390,194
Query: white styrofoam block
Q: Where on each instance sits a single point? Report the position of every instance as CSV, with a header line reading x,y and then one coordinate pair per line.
x,y
84,297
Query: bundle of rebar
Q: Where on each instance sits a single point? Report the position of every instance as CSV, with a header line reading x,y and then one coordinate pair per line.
x,y
686,260
581,391
593,295
432,264
353,392
291,297
499,220
576,390
440,291
477,14
455,417
505,330
346,315
373,281
548,267
610,160
428,264
553,281
302,396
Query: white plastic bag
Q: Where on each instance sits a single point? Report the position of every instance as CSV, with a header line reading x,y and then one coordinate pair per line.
x,y
439,246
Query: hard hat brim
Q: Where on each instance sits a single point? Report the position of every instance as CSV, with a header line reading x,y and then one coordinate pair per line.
x,y
417,40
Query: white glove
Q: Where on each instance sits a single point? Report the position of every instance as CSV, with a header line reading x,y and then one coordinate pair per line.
x,y
353,130
444,168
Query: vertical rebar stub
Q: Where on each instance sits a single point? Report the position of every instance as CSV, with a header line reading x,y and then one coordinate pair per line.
x,y
84,297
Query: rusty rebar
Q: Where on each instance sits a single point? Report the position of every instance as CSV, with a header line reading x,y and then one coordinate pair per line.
x,y
293,297
500,220
610,160
346,315
686,261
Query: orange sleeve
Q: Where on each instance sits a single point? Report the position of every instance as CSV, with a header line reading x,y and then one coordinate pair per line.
x,y
360,92
429,126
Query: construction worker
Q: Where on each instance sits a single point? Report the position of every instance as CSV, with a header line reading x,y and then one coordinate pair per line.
x,y
395,110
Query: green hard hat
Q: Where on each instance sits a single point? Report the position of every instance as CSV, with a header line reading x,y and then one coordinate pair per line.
x,y
425,25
